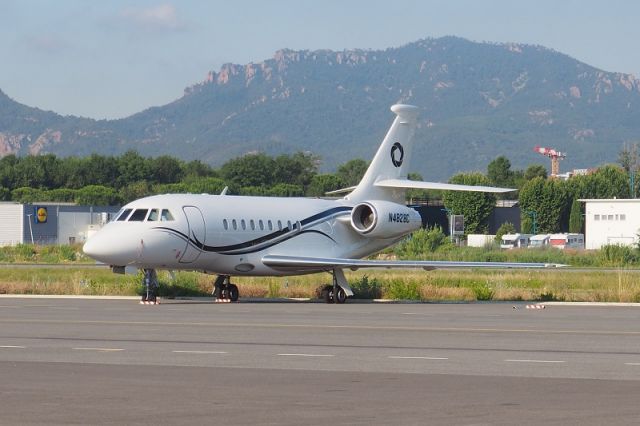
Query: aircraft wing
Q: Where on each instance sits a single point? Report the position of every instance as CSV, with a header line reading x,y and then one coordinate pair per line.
x,y
299,263
405,183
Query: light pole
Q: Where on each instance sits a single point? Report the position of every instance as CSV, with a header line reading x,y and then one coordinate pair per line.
x,y
30,228
449,214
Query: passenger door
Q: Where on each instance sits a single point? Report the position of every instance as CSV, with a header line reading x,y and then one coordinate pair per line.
x,y
197,234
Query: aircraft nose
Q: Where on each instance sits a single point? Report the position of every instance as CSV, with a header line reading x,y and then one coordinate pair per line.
x,y
93,248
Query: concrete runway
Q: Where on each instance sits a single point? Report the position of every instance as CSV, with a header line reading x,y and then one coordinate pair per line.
x,y
70,361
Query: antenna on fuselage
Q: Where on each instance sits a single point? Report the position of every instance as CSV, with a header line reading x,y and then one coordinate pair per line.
x,y
224,191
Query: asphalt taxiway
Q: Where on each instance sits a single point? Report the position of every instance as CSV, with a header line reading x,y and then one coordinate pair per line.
x,y
69,361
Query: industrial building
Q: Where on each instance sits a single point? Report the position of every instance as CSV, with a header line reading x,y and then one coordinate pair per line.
x,y
50,223
611,221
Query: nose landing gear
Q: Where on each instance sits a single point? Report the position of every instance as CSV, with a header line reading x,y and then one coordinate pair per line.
x,y
150,281
224,291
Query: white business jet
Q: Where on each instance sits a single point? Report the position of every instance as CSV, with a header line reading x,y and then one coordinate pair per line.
x,y
268,236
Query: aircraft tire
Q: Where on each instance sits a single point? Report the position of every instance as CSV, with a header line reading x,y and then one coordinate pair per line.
x,y
233,292
327,294
341,297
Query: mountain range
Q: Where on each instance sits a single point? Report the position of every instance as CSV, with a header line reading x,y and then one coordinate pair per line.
x,y
477,101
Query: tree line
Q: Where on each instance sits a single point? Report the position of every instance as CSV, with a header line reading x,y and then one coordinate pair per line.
x,y
112,180
548,205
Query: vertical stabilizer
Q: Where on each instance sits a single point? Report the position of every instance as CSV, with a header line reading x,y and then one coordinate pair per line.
x,y
392,159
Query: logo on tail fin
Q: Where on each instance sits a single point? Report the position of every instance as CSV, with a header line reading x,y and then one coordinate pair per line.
x,y
397,154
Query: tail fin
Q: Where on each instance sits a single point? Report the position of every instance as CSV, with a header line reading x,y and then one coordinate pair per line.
x,y
392,159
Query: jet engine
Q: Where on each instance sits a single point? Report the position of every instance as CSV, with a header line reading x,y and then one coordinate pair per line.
x,y
384,219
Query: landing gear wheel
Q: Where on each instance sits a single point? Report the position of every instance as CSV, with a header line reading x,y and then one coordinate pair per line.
x,y
327,294
224,291
232,292
341,296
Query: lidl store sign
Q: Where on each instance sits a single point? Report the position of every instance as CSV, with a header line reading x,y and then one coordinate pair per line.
x,y
40,215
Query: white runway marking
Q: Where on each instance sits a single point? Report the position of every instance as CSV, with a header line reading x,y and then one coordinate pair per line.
x,y
418,357
99,349
632,363
199,352
541,361
12,347
307,355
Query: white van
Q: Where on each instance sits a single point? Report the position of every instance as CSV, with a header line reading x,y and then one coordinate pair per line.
x,y
510,241
539,241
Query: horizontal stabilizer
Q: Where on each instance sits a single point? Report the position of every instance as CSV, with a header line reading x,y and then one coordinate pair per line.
x,y
405,183
341,191
296,263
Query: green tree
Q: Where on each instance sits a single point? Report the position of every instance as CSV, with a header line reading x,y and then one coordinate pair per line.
x,y
323,183
576,220
609,181
297,169
505,228
28,195
534,171
134,190
285,190
132,168
475,206
550,199
499,172
249,170
165,169
97,195
352,171
206,185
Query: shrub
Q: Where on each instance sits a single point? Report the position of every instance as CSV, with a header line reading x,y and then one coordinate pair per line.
x,y
400,290
482,291
505,228
365,288
617,255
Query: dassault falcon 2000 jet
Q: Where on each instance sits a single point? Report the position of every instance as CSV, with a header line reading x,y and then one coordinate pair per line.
x,y
268,236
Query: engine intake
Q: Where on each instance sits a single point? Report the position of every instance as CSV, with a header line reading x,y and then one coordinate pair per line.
x,y
384,219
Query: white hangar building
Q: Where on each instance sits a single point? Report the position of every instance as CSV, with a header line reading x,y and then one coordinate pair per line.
x,y
611,221
50,223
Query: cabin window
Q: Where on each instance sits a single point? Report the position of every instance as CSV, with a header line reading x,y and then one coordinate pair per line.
x,y
279,225
166,216
252,224
610,217
596,217
270,225
153,215
243,224
124,215
225,224
138,215
234,224
261,225
623,217
289,225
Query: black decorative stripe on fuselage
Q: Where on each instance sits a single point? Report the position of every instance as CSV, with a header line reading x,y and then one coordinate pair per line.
x,y
265,241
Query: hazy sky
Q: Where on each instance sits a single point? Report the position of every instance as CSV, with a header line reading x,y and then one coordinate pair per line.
x,y
109,59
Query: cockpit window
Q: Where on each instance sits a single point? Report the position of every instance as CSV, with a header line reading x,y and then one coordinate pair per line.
x,y
166,216
153,215
124,214
138,215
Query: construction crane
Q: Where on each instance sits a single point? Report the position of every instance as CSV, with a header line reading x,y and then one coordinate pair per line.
x,y
555,156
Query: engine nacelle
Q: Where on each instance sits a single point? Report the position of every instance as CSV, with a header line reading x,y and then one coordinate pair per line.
x,y
384,219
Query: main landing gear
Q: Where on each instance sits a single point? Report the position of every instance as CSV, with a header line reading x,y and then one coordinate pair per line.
x,y
224,291
338,291
150,281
